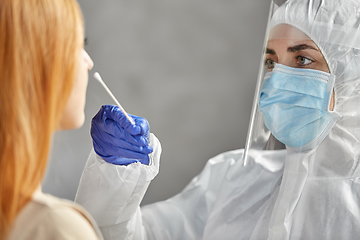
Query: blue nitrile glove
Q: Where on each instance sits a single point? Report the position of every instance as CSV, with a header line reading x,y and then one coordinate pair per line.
x,y
116,140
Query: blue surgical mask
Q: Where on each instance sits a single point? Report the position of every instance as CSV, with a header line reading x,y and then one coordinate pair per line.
x,y
295,103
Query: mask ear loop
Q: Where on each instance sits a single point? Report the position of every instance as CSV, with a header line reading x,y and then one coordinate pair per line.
x,y
332,66
333,90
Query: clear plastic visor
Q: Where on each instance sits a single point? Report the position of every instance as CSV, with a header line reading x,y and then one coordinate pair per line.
x,y
286,107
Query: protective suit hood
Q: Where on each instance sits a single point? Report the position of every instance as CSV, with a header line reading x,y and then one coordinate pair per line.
x,y
334,27
320,189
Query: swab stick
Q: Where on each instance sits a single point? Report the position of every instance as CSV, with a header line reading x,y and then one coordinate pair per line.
x,y
98,77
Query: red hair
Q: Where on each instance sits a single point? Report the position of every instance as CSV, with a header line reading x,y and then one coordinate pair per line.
x,y
39,46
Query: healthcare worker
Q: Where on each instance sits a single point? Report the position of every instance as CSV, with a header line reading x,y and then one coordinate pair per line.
x,y
307,99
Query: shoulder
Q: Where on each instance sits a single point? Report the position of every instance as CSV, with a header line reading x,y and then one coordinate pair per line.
x,y
257,157
225,159
48,217
67,223
230,163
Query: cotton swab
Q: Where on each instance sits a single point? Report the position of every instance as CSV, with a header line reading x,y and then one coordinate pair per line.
x,y
98,77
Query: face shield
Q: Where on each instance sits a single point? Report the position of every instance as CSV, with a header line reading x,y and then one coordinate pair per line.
x,y
296,101
259,137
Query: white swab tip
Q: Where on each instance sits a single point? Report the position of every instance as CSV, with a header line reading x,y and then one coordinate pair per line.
x,y
97,76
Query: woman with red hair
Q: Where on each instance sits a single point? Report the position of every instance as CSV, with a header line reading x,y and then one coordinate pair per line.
x,y
44,73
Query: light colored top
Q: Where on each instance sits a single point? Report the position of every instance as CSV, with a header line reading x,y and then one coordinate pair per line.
x,y
49,217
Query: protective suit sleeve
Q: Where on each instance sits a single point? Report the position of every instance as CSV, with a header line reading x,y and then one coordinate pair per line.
x,y
112,193
185,215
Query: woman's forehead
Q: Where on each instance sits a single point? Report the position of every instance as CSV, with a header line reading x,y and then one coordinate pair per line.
x,y
282,31
286,36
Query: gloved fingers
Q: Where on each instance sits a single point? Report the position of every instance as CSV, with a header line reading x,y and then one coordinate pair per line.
x,y
111,112
126,153
115,131
109,143
122,145
114,113
142,123
98,134
118,141
108,151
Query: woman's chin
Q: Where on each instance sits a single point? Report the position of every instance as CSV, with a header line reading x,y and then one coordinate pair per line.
x,y
72,122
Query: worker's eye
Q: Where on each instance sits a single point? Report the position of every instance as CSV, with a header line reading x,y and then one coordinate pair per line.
x,y
269,64
303,61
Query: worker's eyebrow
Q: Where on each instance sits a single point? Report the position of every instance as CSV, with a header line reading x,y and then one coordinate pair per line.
x,y
300,47
295,48
270,51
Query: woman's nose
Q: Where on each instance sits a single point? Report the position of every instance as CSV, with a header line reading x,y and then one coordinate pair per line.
x,y
88,61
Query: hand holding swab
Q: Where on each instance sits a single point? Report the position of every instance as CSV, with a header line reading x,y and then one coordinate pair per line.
x,y
98,77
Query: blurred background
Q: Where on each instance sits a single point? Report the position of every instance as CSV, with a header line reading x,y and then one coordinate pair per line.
x,y
189,67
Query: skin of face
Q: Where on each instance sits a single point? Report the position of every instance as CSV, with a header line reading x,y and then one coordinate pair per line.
x,y
74,115
289,46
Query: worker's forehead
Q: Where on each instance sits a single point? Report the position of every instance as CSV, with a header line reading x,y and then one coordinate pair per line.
x,y
282,31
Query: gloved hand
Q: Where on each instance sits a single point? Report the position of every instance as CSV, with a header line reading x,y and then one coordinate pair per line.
x,y
116,140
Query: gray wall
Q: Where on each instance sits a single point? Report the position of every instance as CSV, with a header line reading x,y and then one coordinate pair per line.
x,y
188,66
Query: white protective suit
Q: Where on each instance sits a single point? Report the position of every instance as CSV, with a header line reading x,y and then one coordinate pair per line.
x,y
284,195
